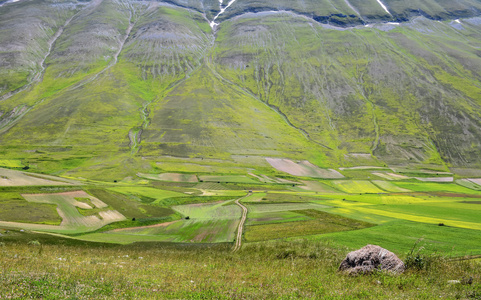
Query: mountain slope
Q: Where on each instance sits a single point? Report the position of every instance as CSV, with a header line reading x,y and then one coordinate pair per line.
x,y
110,84
392,93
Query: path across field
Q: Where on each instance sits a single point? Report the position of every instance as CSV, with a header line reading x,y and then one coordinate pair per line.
x,y
238,241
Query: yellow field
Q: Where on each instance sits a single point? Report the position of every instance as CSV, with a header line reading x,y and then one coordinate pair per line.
x,y
357,186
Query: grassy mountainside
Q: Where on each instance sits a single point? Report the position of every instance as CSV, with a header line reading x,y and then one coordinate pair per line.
x,y
27,31
118,84
390,91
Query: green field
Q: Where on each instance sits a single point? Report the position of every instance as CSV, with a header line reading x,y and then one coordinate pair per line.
x,y
204,212
130,207
283,197
389,187
200,223
219,210
177,177
436,187
228,179
469,184
257,218
356,186
400,237
11,163
322,223
14,208
147,194
182,231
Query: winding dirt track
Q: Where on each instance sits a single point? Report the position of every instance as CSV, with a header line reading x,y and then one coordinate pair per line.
x,y
238,240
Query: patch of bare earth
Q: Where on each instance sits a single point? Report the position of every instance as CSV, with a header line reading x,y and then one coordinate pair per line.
x,y
72,218
176,177
435,179
475,180
302,168
397,176
18,178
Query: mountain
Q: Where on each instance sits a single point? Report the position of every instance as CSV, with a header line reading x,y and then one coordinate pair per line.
x,y
106,89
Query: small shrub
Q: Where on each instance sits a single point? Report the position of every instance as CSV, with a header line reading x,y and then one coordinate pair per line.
x,y
417,260
34,243
288,253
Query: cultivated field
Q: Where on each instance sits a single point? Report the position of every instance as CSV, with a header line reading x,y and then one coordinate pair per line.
x,y
173,207
69,205
203,222
176,177
18,178
231,179
356,186
303,168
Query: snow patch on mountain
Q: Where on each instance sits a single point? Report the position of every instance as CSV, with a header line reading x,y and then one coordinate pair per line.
x,y
9,1
383,6
222,10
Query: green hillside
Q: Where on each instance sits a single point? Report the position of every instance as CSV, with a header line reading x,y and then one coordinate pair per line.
x,y
107,85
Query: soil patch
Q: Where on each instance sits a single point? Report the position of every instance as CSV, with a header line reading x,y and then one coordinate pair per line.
x,y
18,178
475,180
302,168
435,179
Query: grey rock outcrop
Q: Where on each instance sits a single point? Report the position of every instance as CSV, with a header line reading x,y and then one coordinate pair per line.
x,y
371,258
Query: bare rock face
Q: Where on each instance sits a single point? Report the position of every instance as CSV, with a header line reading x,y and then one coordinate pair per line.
x,y
371,258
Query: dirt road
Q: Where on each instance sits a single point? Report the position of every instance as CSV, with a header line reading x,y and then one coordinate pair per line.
x,y
238,240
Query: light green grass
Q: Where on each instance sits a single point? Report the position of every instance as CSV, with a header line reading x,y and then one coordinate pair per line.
x,y
175,177
190,231
290,270
400,237
268,208
232,179
435,187
389,187
356,186
258,218
321,222
255,197
468,184
11,163
220,210
14,208
146,194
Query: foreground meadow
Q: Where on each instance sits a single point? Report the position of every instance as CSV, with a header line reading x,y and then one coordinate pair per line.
x,y
35,266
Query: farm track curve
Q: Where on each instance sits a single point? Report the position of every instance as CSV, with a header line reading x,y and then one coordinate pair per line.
x,y
238,241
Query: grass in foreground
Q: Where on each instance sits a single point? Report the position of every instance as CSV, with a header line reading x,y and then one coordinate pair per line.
x,y
53,268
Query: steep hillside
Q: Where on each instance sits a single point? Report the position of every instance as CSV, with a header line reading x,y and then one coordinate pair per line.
x,y
394,91
92,87
28,31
